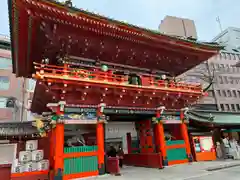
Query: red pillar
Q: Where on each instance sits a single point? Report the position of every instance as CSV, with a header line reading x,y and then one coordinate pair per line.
x,y
58,137
141,135
59,147
129,143
100,143
184,132
146,139
176,131
161,139
148,136
51,137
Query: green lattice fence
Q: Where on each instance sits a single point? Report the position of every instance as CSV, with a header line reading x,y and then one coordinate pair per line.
x,y
80,164
135,146
80,149
176,153
176,142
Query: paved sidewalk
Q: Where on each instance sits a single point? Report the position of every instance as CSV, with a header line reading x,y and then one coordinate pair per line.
x,y
176,172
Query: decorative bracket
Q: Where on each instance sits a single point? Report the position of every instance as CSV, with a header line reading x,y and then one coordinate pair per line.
x,y
102,107
185,110
100,116
62,105
160,111
54,106
161,108
185,117
211,117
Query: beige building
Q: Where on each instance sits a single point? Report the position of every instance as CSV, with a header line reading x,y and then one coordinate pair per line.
x,y
15,93
178,27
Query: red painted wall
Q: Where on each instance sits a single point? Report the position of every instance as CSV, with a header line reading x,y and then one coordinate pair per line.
x,y
90,139
176,132
156,138
5,172
35,177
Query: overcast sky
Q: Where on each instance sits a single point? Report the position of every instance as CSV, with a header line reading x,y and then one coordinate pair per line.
x,y
149,13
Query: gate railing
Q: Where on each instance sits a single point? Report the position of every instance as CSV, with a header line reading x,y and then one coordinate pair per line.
x,y
80,162
176,152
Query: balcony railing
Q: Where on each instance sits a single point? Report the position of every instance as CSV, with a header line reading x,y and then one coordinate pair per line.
x,y
98,76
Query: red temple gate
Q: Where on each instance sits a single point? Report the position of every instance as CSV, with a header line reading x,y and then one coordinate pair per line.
x,y
85,59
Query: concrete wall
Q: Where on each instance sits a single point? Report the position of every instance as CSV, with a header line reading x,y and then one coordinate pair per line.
x,y
116,130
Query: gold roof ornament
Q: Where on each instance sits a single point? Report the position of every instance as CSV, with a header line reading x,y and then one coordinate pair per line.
x,y
68,3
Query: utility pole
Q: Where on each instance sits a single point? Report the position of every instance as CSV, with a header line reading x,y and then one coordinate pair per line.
x,y
219,23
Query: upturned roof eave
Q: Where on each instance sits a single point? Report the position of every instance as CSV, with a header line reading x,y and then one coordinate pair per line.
x,y
11,35
213,48
213,45
198,116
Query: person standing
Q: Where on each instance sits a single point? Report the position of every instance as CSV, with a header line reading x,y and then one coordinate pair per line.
x,y
113,162
112,152
234,148
120,156
219,150
226,146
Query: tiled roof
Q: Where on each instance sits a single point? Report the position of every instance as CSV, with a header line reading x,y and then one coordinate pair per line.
x,y
156,32
215,117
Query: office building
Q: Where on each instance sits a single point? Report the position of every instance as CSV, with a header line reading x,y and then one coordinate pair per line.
x,y
227,80
220,70
224,95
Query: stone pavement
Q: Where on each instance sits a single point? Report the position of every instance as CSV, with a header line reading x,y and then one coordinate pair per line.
x,y
189,171
232,173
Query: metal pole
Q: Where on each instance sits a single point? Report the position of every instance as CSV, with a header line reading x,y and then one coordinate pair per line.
x,y
23,100
219,23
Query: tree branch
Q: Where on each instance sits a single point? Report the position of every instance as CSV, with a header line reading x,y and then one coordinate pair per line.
x,y
206,77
